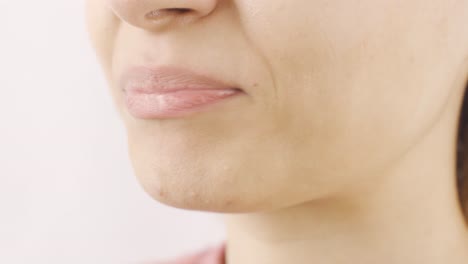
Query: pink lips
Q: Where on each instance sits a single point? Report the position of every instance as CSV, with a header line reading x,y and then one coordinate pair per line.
x,y
167,92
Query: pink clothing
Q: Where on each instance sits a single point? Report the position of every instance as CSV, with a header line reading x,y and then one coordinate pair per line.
x,y
213,255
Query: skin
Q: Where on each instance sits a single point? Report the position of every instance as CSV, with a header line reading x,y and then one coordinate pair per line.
x,y
344,141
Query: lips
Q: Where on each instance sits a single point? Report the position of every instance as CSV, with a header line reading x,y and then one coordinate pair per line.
x,y
169,92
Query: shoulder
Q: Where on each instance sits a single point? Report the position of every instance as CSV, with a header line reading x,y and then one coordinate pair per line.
x,y
212,255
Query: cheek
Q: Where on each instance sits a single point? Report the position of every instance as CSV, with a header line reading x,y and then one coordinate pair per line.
x,y
102,27
314,49
288,31
348,79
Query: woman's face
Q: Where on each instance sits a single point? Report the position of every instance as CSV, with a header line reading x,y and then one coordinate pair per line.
x,y
334,91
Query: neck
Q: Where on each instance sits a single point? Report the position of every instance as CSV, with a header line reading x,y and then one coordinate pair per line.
x,y
411,215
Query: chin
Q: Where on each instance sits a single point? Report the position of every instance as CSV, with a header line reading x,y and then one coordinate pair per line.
x,y
196,199
185,192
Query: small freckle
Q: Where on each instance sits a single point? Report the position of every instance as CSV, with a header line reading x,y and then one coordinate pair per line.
x,y
228,202
194,195
255,84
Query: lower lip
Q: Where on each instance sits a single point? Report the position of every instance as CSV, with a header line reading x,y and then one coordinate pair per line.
x,y
174,104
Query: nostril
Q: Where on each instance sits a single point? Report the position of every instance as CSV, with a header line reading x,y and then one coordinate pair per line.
x,y
161,13
179,10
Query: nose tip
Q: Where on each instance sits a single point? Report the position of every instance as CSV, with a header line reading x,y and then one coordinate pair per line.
x,y
156,14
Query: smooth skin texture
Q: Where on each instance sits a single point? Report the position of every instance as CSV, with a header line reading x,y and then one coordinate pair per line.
x,y
342,150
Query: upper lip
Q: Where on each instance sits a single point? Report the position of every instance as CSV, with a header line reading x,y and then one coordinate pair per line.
x,y
166,79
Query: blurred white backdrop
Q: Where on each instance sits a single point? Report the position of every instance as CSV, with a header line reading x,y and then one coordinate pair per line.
x,y
67,191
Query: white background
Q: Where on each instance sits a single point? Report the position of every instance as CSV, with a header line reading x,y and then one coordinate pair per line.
x,y
67,190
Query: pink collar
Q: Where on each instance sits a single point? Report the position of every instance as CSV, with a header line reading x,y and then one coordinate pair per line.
x,y
212,255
